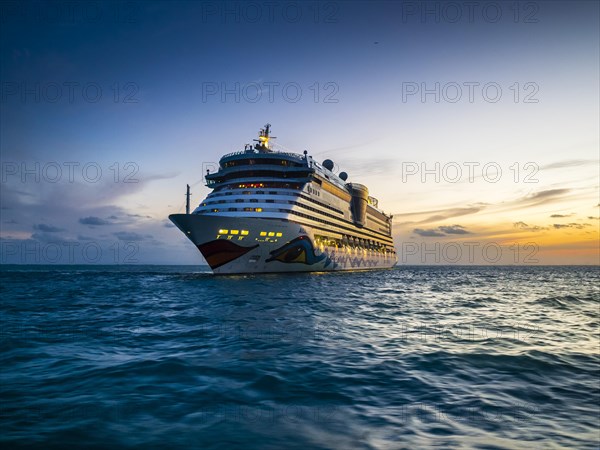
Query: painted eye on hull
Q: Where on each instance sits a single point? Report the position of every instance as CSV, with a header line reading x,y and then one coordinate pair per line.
x,y
300,250
296,254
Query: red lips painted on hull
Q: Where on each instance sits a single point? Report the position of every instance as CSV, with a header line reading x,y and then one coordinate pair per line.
x,y
219,252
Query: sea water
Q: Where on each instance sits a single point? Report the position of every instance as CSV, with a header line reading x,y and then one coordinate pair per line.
x,y
412,357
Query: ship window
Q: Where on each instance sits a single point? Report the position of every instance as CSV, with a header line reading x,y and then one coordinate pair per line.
x,y
253,200
232,209
258,209
263,233
272,192
215,210
239,200
279,234
244,232
235,231
271,234
223,231
247,209
260,192
270,201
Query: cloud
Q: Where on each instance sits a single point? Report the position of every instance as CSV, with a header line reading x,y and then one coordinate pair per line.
x,y
542,197
93,220
47,228
569,163
454,229
432,216
549,193
560,216
78,208
113,219
593,218
442,230
169,225
65,202
523,226
450,213
428,233
441,214
70,196
139,216
131,236
49,238
578,226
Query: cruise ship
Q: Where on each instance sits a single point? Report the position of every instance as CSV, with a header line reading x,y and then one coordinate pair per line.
x,y
275,211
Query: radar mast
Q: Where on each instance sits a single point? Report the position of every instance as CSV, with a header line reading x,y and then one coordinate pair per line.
x,y
263,139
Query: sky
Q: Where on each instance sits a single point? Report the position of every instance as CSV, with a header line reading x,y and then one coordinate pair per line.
x,y
475,123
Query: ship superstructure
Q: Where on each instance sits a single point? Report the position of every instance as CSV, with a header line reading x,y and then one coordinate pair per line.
x,y
273,211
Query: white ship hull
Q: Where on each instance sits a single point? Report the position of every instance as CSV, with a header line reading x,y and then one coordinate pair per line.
x,y
235,245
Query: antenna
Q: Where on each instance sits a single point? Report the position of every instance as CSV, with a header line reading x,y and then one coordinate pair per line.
x,y
187,199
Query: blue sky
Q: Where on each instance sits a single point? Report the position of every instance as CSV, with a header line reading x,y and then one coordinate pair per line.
x,y
147,79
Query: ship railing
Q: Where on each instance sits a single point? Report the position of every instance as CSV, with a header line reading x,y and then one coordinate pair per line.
x,y
249,152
